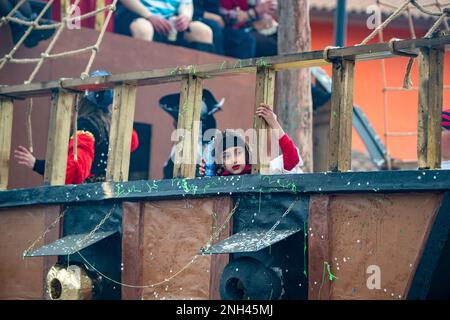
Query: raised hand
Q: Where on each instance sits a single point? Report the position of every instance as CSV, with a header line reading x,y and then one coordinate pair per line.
x,y
202,169
270,117
161,25
24,157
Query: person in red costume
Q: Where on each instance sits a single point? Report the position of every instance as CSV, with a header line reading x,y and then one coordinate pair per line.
x,y
235,158
94,119
251,27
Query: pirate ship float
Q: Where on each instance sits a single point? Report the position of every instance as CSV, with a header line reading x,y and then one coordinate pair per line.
x,y
328,235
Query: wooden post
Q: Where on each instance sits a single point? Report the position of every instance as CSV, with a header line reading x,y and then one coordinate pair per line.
x,y
188,121
294,100
431,73
64,8
58,138
265,91
340,148
124,103
6,120
100,17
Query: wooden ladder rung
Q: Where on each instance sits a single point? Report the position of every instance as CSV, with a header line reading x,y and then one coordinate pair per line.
x,y
340,148
185,164
6,121
120,132
58,137
431,84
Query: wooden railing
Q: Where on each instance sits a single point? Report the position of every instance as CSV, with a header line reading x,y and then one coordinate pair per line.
x,y
431,60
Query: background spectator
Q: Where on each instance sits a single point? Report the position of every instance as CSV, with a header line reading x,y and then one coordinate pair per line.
x,y
168,21
251,27
207,11
27,13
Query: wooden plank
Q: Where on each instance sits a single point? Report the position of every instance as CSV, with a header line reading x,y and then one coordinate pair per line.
x,y
132,249
222,208
339,158
6,121
179,147
189,124
65,6
300,184
58,138
361,241
431,82
23,279
99,17
51,214
265,93
124,103
319,247
227,67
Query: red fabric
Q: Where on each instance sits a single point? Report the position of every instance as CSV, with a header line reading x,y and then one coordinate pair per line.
x,y
78,171
446,119
289,151
134,141
232,4
247,170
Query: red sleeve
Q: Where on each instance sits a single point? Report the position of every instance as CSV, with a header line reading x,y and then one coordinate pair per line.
x,y
134,141
227,4
231,4
289,151
78,171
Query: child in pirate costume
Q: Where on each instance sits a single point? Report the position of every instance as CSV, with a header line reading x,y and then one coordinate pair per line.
x,y
94,119
235,157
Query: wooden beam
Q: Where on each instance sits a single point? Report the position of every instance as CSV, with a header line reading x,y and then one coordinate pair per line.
x,y
6,121
227,67
404,181
221,211
99,17
64,8
124,104
58,138
431,84
265,93
189,124
340,148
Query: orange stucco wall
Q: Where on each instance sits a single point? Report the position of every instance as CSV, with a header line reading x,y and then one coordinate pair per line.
x,y
402,106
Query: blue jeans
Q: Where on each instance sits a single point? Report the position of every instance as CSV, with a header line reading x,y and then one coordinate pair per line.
x,y
239,43
217,34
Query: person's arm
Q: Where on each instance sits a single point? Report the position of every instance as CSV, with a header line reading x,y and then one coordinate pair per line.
x,y
160,24
186,8
137,7
290,154
78,171
39,166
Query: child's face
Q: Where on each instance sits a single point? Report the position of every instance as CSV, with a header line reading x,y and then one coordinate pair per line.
x,y
234,160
